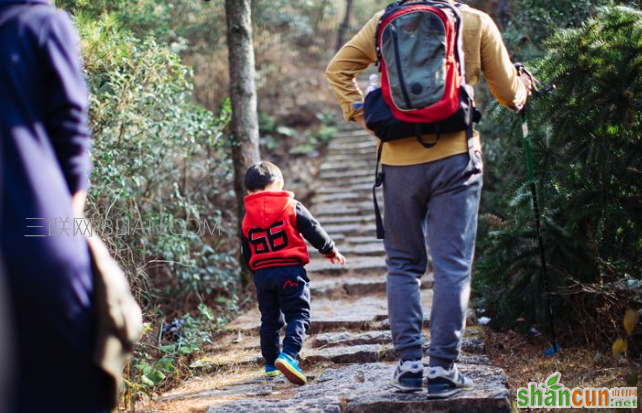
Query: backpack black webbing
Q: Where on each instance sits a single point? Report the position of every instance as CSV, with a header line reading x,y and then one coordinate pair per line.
x,y
380,176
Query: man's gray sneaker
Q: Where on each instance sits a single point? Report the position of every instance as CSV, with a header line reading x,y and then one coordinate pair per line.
x,y
408,376
445,383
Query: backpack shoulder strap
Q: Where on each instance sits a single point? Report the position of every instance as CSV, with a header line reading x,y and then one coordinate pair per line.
x,y
16,11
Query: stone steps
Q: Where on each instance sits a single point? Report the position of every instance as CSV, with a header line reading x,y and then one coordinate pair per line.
x,y
354,145
354,266
348,356
343,175
351,126
364,187
350,230
471,343
345,219
331,348
350,155
311,357
333,286
359,314
347,165
351,135
374,249
340,210
352,196
368,157
363,240
369,353
341,286
350,180
363,388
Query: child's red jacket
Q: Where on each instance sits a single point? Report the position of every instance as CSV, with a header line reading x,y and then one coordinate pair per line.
x,y
274,227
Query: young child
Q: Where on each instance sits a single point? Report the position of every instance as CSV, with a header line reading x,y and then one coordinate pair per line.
x,y
273,230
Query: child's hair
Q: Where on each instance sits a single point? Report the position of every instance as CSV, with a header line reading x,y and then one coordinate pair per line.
x,y
260,175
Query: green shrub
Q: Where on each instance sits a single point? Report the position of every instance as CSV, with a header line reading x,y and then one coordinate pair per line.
x,y
157,158
588,161
169,353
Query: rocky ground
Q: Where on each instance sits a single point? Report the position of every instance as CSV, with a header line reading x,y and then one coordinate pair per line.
x,y
348,356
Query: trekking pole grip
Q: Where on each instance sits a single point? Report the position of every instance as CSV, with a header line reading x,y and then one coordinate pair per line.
x,y
538,87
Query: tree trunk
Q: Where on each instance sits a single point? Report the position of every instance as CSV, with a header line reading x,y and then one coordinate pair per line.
x,y
245,124
345,25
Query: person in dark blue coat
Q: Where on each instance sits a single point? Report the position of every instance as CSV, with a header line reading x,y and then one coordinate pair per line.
x,y
45,165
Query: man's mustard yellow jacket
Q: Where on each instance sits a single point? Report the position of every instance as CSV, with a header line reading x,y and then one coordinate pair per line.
x,y
484,52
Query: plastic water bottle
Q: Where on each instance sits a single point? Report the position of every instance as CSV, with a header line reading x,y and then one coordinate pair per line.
x,y
373,83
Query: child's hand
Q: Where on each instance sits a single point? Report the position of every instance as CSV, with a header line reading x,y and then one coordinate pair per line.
x,y
338,259
335,257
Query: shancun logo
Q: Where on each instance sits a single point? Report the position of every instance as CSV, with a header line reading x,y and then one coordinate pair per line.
x,y
552,393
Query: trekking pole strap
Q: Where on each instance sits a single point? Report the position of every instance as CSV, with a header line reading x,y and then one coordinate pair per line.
x,y
539,87
379,178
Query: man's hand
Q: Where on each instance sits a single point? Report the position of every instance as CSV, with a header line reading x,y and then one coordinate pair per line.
x,y
527,82
335,257
362,122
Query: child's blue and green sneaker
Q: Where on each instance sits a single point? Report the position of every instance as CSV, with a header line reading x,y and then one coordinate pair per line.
x,y
270,371
290,369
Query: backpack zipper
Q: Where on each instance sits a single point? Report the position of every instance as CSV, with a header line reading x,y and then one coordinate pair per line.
x,y
404,91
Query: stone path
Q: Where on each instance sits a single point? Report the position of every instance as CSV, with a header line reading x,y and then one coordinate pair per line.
x,y
348,356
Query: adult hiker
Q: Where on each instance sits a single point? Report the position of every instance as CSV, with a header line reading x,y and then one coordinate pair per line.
x,y
45,166
427,52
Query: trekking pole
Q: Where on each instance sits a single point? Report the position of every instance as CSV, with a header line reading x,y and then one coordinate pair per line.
x,y
555,348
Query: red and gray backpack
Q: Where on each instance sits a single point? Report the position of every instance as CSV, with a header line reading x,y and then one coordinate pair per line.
x,y
423,87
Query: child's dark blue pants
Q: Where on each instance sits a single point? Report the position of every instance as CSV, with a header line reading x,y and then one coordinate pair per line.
x,y
284,299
